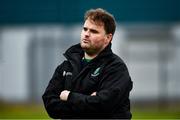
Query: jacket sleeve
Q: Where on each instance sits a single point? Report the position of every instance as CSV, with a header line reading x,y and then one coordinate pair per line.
x,y
115,85
54,106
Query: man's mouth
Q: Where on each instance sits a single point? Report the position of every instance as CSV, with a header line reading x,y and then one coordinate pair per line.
x,y
85,41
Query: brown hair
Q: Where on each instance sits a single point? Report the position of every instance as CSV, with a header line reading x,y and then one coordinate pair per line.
x,y
100,16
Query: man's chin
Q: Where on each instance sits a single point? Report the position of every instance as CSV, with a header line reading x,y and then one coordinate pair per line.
x,y
84,46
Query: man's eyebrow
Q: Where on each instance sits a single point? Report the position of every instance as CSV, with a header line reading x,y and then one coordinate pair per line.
x,y
85,28
94,30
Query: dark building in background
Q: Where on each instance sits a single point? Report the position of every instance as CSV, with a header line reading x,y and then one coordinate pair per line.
x,y
70,11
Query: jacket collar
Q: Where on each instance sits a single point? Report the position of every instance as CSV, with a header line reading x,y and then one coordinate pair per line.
x,y
75,52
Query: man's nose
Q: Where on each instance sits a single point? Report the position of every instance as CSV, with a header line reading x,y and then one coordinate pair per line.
x,y
87,33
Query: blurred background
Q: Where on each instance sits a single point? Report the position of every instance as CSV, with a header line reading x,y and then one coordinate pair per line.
x,y
35,33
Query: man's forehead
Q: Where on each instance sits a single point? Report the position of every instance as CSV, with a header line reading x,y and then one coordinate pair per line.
x,y
95,22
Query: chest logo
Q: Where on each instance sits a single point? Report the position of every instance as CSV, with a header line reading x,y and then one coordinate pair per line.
x,y
96,72
67,73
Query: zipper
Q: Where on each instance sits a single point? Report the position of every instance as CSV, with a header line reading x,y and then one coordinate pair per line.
x,y
88,67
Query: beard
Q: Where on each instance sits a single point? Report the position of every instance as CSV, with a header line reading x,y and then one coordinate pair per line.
x,y
90,49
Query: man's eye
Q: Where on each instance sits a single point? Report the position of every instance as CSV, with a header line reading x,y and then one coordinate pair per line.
x,y
94,31
85,29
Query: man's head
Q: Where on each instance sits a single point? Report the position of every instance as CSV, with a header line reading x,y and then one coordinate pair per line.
x,y
100,16
98,30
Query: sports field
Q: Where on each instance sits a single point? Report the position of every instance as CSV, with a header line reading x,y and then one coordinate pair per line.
x,y
34,111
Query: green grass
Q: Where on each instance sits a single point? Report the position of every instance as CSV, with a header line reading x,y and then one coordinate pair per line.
x,y
35,111
155,114
22,111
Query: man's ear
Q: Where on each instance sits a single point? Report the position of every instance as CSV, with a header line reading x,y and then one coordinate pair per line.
x,y
108,38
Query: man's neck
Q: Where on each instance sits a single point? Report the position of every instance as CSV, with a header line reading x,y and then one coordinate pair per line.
x,y
92,56
87,56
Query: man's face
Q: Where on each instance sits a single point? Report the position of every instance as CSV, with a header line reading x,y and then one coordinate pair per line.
x,y
93,37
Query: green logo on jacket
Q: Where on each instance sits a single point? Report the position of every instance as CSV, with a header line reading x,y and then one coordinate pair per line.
x,y
96,72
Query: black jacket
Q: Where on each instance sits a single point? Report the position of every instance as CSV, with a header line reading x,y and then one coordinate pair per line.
x,y
106,74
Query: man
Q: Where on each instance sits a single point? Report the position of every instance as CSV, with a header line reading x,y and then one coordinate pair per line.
x,y
93,82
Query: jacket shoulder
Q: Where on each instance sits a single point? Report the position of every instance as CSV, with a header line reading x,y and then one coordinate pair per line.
x,y
115,59
116,63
